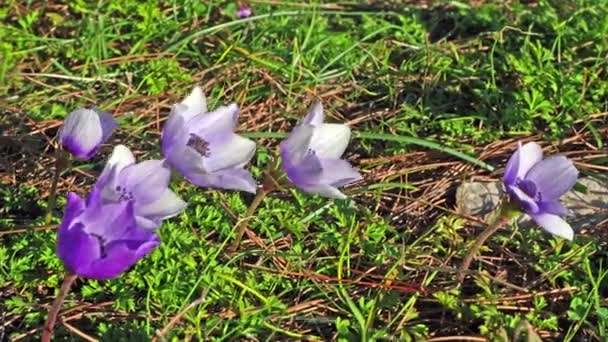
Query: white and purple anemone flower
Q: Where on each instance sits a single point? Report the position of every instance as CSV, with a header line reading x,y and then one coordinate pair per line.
x,y
537,184
203,147
312,153
101,241
84,130
145,184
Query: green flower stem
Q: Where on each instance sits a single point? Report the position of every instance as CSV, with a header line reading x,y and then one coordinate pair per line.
x,y
50,322
502,217
61,163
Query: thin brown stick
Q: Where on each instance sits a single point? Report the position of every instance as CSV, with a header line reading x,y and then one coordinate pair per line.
x,y
160,334
50,322
78,331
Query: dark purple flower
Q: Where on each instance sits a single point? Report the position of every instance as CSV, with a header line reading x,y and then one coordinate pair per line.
x,y
146,184
537,184
243,12
84,130
203,147
101,241
312,154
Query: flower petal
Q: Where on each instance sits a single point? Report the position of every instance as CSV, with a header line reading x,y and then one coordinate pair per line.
x,y
185,160
553,177
230,179
215,126
295,147
307,172
235,152
106,220
522,161
108,124
75,247
120,158
193,104
338,172
330,140
526,202
315,115
121,255
74,207
81,133
147,180
554,225
553,207
324,190
173,130
166,206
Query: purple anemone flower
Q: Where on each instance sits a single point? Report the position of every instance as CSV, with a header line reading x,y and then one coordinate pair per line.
x,y
101,241
84,130
244,12
145,184
311,155
537,184
203,147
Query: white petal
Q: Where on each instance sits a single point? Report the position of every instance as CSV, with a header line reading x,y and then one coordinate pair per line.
x,y
295,147
147,180
121,157
195,103
146,223
82,127
338,172
554,225
330,140
325,190
315,114
236,152
215,125
529,155
168,205
185,160
230,179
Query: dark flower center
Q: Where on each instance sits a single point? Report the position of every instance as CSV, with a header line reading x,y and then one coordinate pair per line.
x,y
102,245
199,144
124,194
529,188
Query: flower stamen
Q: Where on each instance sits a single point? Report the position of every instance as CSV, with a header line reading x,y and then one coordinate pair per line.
x,y
199,144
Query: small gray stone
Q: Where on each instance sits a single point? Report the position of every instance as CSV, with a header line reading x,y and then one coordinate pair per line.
x,y
477,198
590,208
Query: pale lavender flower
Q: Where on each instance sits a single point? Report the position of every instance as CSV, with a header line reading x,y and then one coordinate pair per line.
x,y
203,147
146,184
312,153
84,130
101,241
537,184
244,12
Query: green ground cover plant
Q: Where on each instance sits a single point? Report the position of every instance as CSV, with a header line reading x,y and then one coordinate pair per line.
x,y
436,94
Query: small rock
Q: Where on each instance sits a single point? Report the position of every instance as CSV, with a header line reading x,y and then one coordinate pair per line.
x,y
590,208
477,198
